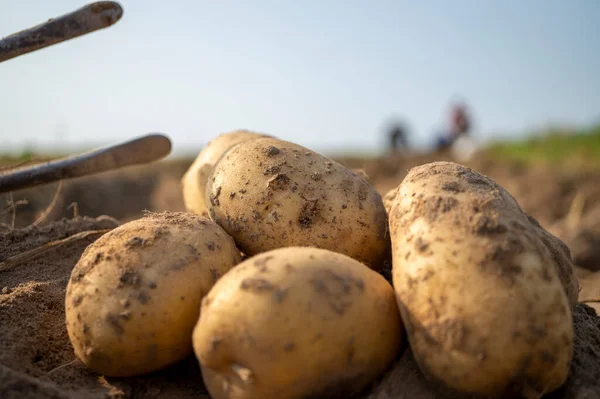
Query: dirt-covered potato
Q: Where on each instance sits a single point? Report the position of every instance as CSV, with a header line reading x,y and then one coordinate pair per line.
x,y
361,173
561,255
477,287
389,198
269,193
194,180
296,322
133,298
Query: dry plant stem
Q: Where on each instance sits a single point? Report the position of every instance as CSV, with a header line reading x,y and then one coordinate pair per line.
x,y
589,300
63,366
105,217
14,261
75,207
576,210
14,211
50,207
11,205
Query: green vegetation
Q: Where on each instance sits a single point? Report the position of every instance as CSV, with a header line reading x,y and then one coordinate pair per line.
x,y
571,149
24,156
580,148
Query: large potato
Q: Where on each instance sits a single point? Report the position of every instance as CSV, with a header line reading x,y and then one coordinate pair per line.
x,y
194,180
296,322
269,193
477,287
563,262
389,198
133,298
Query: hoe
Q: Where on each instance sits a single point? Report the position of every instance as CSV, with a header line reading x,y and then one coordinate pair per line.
x,y
140,150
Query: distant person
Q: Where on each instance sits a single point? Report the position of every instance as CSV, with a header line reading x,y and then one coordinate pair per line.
x,y
397,138
460,125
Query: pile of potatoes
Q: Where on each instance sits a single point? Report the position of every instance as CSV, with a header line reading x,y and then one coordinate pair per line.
x,y
271,279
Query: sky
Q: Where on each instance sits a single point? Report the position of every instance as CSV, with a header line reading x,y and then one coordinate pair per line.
x,y
328,75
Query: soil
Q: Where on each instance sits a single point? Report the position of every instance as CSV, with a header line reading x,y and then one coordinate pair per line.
x,y
36,358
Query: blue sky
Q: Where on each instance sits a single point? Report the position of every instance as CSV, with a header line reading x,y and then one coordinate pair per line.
x,y
324,74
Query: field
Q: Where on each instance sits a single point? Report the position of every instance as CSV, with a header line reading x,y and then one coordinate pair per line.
x,y
556,180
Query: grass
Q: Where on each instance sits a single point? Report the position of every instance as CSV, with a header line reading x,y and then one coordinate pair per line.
x,y
17,158
580,148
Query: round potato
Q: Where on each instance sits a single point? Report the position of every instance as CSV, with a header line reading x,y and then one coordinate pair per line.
x,y
194,180
269,193
477,287
133,298
296,322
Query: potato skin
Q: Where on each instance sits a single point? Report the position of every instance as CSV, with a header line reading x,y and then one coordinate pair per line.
x,y
561,255
269,193
477,288
389,198
194,180
297,322
133,298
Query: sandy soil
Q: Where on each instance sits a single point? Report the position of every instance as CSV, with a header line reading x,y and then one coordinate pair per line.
x,y
36,358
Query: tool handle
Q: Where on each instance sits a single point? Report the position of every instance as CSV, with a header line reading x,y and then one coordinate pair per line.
x,y
86,19
141,150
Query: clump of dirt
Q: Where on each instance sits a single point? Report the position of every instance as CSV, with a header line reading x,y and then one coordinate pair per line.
x,y
17,241
584,377
32,330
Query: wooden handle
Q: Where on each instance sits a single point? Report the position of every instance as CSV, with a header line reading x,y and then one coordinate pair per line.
x,y
88,18
141,150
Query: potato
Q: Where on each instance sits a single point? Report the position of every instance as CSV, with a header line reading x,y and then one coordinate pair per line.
x,y
477,287
389,198
195,178
296,322
561,255
133,298
361,173
269,193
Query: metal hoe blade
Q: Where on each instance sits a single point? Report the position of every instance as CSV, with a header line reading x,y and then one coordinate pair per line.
x,y
141,150
88,18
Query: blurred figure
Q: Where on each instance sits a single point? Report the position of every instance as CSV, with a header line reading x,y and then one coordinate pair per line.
x,y
460,126
397,138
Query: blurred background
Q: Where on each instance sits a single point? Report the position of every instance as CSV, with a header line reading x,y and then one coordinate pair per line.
x,y
330,75
509,88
